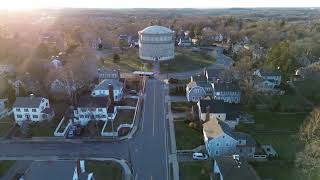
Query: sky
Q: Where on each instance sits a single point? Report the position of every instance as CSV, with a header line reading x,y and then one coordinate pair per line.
x,y
31,4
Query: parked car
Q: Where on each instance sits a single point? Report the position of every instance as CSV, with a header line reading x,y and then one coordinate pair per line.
x,y
70,134
199,156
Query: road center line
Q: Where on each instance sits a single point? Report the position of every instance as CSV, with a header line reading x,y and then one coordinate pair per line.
x,y
154,107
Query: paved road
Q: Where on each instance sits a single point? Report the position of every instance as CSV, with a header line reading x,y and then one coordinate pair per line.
x,y
151,148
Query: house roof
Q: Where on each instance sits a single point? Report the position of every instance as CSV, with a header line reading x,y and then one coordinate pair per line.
x,y
214,73
214,128
230,170
104,85
199,78
107,71
244,136
270,73
93,102
219,106
156,30
226,86
28,102
50,170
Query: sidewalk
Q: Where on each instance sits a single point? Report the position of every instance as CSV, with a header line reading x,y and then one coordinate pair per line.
x,y
19,167
173,157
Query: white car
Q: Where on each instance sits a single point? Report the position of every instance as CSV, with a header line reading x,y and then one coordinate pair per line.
x,y
199,156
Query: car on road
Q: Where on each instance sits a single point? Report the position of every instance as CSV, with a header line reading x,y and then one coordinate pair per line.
x,y
199,156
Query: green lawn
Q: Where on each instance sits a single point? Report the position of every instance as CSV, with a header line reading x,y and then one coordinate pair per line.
x,y
277,170
310,89
187,137
129,61
182,106
279,130
186,61
5,166
195,170
5,125
104,170
124,116
41,129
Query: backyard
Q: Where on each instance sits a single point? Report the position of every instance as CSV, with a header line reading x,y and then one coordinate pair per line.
x,y
280,131
199,170
5,125
104,170
185,60
124,116
187,137
178,107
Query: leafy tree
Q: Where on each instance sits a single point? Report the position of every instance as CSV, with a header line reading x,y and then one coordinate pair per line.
x,y
116,58
11,94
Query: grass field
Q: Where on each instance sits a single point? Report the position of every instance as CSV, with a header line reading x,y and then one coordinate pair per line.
x,y
187,137
279,130
129,61
5,166
195,170
182,106
5,125
186,61
104,170
310,89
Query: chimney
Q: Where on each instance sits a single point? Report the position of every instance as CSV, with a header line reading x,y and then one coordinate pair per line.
x,y
82,166
78,167
207,114
111,95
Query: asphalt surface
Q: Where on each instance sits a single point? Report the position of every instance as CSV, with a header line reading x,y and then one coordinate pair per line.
x,y
146,152
151,148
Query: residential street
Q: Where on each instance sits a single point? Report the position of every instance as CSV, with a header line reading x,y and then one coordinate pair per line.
x,y
150,157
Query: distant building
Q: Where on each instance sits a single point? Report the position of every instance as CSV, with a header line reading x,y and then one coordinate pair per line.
x,y
102,89
156,43
185,41
53,170
108,74
227,91
220,140
266,80
226,112
56,63
233,168
32,108
6,68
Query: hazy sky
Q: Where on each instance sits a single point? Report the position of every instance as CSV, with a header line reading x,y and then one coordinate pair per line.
x,y
26,4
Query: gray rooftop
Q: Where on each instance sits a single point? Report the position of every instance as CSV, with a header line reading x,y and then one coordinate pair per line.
x,y
230,170
50,170
104,85
27,102
93,102
219,106
270,73
227,86
244,136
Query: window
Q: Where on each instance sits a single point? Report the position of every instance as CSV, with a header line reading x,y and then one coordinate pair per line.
x,y
34,110
100,110
18,110
240,150
19,116
81,116
83,109
26,110
218,144
47,104
223,137
87,116
239,141
103,116
217,152
35,116
97,116
227,144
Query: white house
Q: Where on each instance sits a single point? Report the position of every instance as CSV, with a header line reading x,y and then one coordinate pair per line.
x,y
227,91
231,168
93,108
102,89
56,63
266,80
220,140
32,108
229,113
107,74
3,103
53,170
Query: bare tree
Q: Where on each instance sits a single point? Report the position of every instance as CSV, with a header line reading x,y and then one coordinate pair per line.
x,y
310,130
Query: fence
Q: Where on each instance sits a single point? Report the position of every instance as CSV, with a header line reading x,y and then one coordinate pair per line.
x,y
62,134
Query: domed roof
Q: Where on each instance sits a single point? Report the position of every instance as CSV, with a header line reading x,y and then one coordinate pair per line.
x,y
156,30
